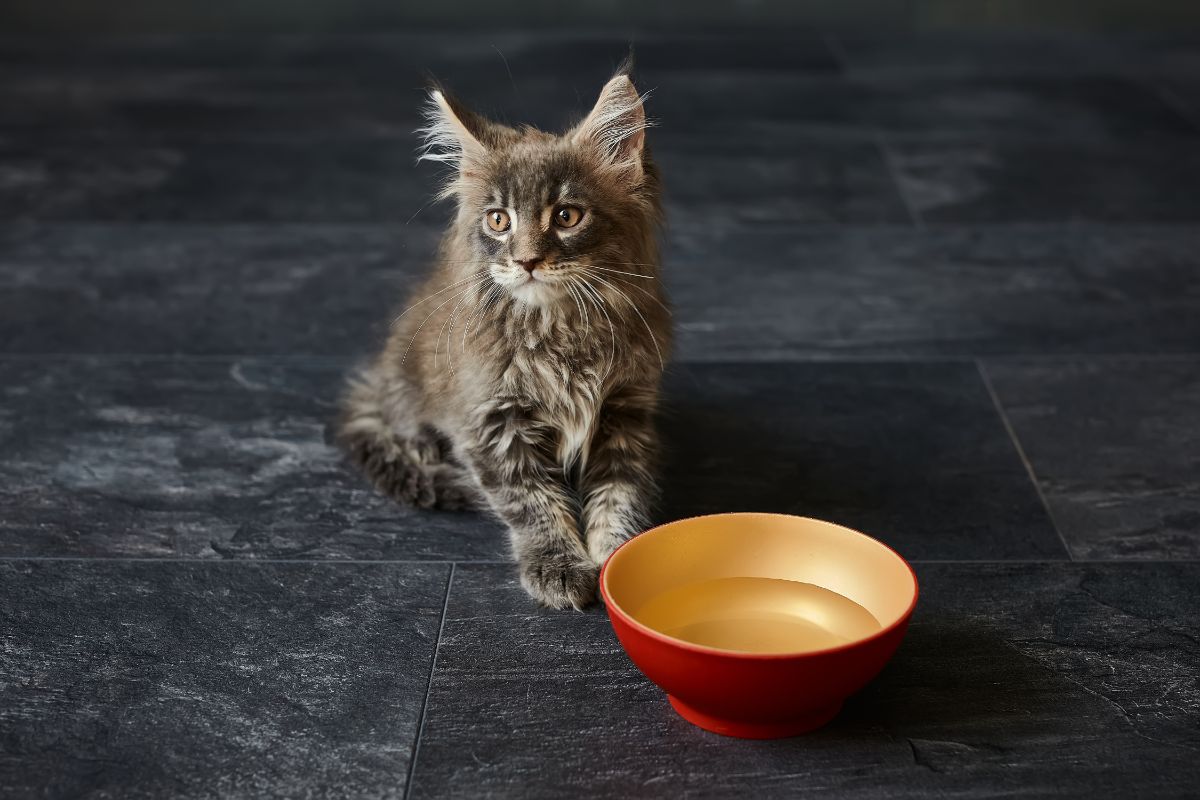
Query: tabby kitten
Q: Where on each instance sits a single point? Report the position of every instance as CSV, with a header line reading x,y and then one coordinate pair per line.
x,y
525,380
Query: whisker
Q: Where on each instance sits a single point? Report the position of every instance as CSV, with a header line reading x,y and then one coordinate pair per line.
x,y
404,358
489,300
620,272
449,335
648,293
661,361
418,211
499,299
440,260
598,301
516,94
610,263
582,311
457,283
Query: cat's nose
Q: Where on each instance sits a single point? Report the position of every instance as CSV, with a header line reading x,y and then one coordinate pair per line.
x,y
528,264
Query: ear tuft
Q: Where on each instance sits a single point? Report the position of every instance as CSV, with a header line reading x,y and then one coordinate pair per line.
x,y
616,127
445,135
626,66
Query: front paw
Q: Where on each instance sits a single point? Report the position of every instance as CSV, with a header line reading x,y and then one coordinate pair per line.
x,y
560,580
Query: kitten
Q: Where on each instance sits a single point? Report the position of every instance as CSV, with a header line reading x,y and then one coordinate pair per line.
x,y
526,379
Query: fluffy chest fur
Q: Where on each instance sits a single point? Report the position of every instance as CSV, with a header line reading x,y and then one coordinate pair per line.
x,y
561,377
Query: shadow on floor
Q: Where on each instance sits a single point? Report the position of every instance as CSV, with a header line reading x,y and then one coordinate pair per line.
x,y
716,461
959,694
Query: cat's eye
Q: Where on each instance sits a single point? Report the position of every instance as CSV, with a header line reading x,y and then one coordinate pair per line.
x,y
567,216
498,220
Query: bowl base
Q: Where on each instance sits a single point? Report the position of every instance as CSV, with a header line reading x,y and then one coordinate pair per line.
x,y
744,729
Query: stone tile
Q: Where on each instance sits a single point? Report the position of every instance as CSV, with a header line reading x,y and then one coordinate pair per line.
x,y
197,459
1133,268
241,180
228,459
146,680
374,54
1113,444
808,180
753,293
972,180
1048,679
366,85
145,104
1026,53
912,454
721,100
1182,93
326,54
164,51
760,50
208,289
815,292
349,179
529,82
1035,108
142,103
304,132
1040,679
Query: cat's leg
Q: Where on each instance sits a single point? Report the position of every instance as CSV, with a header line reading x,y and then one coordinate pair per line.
x,y
402,457
617,483
510,453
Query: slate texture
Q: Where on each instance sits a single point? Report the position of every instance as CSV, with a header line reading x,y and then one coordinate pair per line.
x,y
940,287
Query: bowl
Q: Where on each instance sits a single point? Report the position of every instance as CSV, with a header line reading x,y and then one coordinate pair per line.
x,y
758,625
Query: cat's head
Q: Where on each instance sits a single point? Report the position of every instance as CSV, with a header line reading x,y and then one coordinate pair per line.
x,y
539,212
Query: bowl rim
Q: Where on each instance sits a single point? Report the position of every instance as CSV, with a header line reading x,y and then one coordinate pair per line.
x,y
614,608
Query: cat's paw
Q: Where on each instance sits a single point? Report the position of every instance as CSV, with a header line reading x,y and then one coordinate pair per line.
x,y
406,483
560,580
455,491
391,470
428,446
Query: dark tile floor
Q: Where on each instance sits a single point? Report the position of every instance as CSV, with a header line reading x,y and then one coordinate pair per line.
x,y
940,288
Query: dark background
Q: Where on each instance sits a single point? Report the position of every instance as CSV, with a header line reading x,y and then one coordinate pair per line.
x,y
280,16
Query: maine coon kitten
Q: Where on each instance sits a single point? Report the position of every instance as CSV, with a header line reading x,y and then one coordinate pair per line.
x,y
525,379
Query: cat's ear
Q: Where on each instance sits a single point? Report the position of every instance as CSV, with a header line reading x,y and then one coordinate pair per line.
x,y
616,127
453,134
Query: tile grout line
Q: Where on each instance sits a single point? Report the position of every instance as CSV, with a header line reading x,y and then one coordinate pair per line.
x,y
331,562
416,749
1053,561
248,561
1016,442
889,162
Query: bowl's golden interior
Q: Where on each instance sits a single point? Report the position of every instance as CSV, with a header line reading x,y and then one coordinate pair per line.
x,y
762,583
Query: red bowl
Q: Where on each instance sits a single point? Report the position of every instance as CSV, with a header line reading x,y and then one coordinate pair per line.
x,y
758,625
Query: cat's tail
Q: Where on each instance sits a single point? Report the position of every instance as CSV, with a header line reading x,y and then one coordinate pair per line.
x,y
362,413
